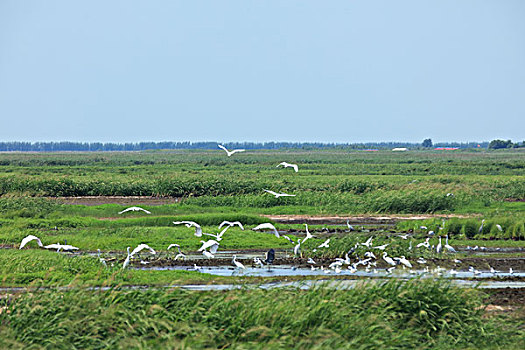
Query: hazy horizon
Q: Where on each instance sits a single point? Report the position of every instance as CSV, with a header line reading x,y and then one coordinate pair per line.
x,y
251,71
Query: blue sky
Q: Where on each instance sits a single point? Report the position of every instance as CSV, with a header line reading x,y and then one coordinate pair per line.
x,y
330,71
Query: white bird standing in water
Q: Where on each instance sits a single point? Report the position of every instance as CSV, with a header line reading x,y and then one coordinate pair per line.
x,y
267,225
388,259
289,165
404,261
229,153
448,247
350,227
29,239
134,209
438,248
198,229
237,263
277,195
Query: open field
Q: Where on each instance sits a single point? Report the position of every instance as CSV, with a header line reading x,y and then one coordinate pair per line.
x,y
391,200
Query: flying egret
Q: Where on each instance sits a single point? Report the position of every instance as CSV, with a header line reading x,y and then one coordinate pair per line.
x,y
388,259
381,247
229,153
237,263
267,225
29,239
324,244
180,255
134,209
277,195
288,239
59,247
425,244
289,165
308,234
198,229
141,247
368,242
230,224
212,244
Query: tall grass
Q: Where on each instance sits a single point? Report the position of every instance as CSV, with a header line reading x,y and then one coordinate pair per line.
x,y
418,314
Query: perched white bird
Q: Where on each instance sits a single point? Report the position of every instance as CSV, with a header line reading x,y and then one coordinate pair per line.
x,y
404,261
388,259
198,229
448,247
421,261
229,153
370,255
350,227
297,248
498,226
59,247
310,261
230,223
237,263
481,227
308,234
423,227
29,239
101,259
134,209
438,248
128,258
289,165
212,244
277,195
267,225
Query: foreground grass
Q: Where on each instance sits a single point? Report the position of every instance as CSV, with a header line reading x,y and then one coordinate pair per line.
x,y
417,314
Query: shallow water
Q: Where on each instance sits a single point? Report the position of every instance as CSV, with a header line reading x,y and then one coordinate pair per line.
x,y
288,270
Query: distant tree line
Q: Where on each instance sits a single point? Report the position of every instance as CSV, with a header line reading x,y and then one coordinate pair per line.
x,y
142,146
499,144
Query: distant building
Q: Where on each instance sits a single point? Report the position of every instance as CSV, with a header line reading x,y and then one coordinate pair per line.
x,y
399,149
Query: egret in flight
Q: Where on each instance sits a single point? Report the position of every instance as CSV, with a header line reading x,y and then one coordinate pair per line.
x,y
229,153
267,225
277,195
230,224
29,239
198,229
59,247
289,165
134,209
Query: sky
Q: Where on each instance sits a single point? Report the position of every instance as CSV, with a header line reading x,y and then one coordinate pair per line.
x,y
323,71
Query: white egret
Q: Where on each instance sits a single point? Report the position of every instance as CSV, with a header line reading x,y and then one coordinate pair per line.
x,y
198,229
390,269
438,248
481,227
368,242
237,263
126,262
510,270
267,225
324,244
208,254
381,247
350,227
29,239
230,224
498,226
134,209
425,244
448,247
404,261
370,255
277,195
229,153
181,254
404,236
101,259
288,239
59,247
212,244
423,227
258,261
421,261
310,261
388,259
289,165
141,247
308,234
297,248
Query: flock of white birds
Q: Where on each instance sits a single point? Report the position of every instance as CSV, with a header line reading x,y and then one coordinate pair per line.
x,y
210,247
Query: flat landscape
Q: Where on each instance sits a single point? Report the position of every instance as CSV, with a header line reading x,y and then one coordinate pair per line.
x,y
419,249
